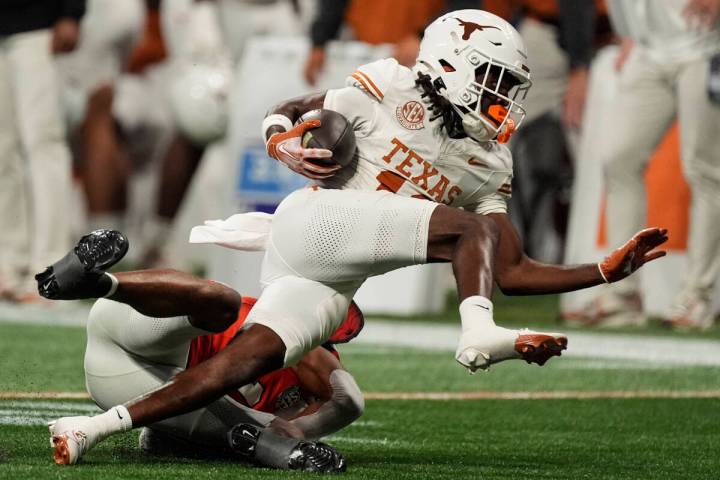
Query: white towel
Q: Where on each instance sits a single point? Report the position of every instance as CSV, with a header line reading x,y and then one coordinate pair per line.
x,y
243,231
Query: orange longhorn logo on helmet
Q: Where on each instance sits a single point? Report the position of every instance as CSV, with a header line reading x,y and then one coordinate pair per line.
x,y
470,27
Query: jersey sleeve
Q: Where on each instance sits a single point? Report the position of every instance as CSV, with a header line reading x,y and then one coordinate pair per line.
x,y
353,104
375,78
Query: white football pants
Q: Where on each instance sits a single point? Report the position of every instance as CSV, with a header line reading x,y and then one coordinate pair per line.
x,y
650,95
35,174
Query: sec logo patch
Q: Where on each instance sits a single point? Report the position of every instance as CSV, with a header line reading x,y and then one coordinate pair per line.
x,y
410,115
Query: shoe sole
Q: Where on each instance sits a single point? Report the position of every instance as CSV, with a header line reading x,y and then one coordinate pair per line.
x,y
124,247
61,455
539,348
47,282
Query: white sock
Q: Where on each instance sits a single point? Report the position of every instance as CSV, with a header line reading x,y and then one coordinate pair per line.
x,y
115,420
476,312
480,332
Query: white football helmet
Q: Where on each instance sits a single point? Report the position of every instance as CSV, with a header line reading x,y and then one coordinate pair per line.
x,y
199,101
478,62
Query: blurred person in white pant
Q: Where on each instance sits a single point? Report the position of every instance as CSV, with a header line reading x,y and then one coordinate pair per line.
x,y
35,172
663,70
205,41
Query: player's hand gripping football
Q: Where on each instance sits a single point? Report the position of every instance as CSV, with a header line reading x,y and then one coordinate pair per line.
x,y
634,254
287,147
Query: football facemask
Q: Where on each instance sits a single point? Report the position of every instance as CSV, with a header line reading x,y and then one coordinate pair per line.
x,y
491,106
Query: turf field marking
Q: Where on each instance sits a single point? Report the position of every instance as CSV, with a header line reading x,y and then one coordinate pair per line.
x,y
365,423
367,441
50,405
44,395
478,395
560,395
27,413
34,412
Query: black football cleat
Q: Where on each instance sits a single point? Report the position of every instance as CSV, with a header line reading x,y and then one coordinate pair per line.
x,y
317,457
272,450
79,274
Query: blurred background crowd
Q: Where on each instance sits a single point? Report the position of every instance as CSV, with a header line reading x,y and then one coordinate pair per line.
x,y
122,114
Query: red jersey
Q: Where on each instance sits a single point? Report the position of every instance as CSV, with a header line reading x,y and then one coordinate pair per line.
x,y
274,391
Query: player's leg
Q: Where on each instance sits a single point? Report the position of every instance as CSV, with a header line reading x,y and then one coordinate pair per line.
x,y
130,354
255,351
700,143
469,241
209,305
645,104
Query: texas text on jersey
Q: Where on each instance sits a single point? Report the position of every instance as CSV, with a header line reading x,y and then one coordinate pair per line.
x,y
400,150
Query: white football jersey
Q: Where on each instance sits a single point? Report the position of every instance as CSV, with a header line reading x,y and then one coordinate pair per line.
x,y
400,150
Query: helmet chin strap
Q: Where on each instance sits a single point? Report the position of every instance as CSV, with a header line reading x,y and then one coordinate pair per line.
x,y
477,130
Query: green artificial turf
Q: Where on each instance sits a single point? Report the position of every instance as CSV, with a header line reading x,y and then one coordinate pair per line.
x,y
34,361
636,438
488,439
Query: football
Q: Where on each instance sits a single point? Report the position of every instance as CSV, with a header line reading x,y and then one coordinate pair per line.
x,y
334,133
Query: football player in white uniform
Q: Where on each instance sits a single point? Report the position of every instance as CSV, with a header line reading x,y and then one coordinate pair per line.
x,y
433,132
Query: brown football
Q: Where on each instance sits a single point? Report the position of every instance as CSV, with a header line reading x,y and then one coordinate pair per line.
x,y
334,133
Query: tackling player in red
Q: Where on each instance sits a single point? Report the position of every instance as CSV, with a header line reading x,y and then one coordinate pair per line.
x,y
162,322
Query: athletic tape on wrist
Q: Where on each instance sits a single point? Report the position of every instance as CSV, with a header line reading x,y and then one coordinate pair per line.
x,y
602,274
273,120
113,287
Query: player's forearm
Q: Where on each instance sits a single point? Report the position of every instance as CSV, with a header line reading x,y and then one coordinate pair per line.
x,y
293,109
535,278
344,407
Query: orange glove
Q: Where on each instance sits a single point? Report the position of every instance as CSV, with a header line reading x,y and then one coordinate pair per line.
x,y
287,147
633,255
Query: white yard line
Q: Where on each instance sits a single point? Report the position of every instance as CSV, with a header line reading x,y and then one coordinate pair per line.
x,y
39,412
567,395
44,395
23,405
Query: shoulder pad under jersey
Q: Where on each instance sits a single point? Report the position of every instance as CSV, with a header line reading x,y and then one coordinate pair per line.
x,y
374,78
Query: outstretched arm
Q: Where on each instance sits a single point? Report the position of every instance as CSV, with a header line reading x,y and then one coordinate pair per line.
x,y
338,400
517,274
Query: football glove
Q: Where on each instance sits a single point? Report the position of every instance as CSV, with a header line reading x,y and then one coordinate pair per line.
x,y
287,148
633,255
